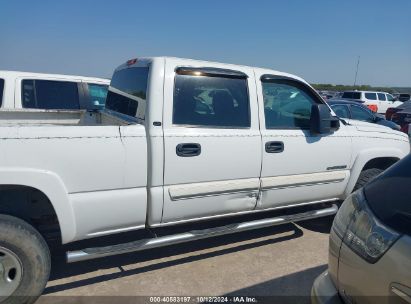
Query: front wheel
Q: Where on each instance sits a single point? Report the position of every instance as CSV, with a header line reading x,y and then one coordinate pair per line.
x,y
24,262
366,176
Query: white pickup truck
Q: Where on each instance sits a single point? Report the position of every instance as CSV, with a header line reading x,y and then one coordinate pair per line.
x,y
180,141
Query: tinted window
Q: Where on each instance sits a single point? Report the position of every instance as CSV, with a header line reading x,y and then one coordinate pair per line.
x,y
390,97
351,95
127,93
50,94
359,113
381,96
211,101
371,96
341,111
1,91
404,97
287,105
97,94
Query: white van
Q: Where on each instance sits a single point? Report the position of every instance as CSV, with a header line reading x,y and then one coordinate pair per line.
x,y
51,91
382,100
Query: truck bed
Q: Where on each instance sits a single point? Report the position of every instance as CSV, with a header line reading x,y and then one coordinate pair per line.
x,y
62,117
83,161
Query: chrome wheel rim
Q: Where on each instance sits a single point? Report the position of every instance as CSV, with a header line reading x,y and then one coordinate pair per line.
x,y
11,272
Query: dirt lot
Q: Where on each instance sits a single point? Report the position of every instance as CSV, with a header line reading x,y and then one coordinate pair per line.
x,y
278,261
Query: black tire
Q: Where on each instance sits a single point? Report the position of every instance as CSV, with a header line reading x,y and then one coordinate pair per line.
x,y
366,176
20,241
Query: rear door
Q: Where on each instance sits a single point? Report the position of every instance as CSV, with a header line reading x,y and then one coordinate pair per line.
x,y
371,99
383,103
212,143
298,167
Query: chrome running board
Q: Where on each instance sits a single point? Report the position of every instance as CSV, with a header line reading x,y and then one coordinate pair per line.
x,y
99,252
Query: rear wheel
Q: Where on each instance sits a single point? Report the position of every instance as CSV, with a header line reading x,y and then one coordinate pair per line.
x,y
366,176
24,261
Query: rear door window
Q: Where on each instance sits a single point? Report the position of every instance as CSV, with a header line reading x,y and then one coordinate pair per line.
x,y
351,95
127,93
371,96
50,94
381,96
207,101
1,91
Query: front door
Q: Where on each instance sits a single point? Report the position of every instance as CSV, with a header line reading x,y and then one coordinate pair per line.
x,y
212,142
298,167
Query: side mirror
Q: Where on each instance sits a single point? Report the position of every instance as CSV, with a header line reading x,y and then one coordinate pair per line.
x,y
321,121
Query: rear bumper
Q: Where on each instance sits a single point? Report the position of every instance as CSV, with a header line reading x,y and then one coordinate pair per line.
x,y
324,291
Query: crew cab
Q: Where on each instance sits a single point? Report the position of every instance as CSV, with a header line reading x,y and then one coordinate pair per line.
x,y
51,91
180,141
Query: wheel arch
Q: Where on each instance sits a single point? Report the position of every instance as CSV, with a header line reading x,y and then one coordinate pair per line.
x,y
52,187
380,159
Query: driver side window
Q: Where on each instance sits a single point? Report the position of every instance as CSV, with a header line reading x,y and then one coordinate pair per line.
x,y
287,105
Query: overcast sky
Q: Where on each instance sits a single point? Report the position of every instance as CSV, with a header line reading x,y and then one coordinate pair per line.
x,y
319,40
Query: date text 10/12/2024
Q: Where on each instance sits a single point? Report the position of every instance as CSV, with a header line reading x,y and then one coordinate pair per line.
x,y
205,299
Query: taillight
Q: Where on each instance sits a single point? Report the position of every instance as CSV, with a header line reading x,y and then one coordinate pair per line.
x,y
362,232
390,112
373,107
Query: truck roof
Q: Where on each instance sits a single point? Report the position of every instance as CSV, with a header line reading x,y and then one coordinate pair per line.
x,y
189,62
14,74
361,91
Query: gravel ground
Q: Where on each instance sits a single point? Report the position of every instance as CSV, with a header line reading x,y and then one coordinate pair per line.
x,y
277,261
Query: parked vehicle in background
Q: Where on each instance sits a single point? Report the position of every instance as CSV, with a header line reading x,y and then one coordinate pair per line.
x,y
391,111
326,94
338,95
51,91
404,97
180,141
354,110
381,100
370,244
402,116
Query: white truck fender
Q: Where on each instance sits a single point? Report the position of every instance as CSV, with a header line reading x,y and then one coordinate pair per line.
x,y
364,157
52,186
